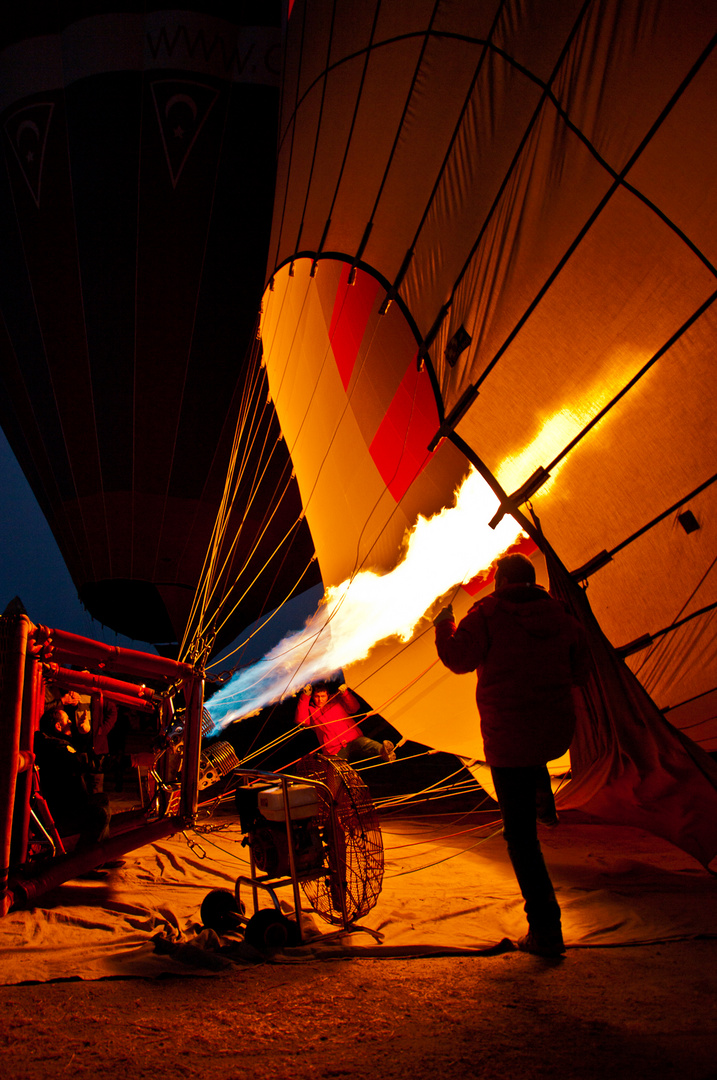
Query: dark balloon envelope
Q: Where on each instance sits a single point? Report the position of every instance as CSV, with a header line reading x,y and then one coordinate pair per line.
x,y
135,207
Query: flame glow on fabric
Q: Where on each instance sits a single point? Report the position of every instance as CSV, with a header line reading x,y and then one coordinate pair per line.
x,y
441,552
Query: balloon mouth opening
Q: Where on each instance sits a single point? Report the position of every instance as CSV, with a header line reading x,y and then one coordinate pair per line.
x,y
135,609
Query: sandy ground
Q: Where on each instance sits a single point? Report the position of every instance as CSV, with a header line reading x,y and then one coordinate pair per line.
x,y
644,1012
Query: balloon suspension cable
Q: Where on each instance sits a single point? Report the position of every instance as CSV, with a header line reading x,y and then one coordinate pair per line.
x,y
222,677
447,858
248,558
247,433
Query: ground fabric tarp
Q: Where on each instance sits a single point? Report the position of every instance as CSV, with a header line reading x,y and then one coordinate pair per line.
x,y
448,890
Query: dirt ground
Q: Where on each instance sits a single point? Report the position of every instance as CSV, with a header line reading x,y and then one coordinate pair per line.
x,y
644,1012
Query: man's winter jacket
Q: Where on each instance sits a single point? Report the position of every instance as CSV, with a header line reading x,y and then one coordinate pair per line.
x,y
528,653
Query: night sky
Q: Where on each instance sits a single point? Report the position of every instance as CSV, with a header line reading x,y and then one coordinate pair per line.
x,y
31,566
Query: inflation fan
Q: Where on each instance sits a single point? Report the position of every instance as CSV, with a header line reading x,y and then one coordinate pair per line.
x,y
316,830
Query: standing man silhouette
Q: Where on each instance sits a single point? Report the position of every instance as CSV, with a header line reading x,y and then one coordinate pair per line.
x,y
528,653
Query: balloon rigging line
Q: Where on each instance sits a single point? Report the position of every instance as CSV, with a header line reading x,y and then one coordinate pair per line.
x,y
219,531
202,624
261,626
291,648
635,379
441,171
251,416
208,570
260,571
441,788
230,557
392,659
322,102
292,733
245,433
347,148
614,187
447,858
373,761
231,854
401,123
379,709
447,818
288,350
436,786
470,831
287,736
257,540
389,803
206,835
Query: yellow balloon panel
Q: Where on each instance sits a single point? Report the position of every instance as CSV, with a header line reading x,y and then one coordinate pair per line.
x,y
357,416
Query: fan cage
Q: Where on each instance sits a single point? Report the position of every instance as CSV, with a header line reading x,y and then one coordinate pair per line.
x,y
356,860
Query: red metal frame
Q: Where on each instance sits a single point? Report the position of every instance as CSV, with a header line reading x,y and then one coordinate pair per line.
x,y
33,656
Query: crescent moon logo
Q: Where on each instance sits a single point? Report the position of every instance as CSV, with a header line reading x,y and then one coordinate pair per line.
x,y
182,107
181,99
27,131
27,125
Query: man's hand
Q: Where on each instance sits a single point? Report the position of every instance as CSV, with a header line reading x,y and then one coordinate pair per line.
x,y
446,613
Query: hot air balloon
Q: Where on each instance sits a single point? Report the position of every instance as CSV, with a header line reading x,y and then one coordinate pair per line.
x,y
135,198
490,255
492,249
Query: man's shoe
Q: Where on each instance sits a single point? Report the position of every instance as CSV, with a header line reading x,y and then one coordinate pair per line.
x,y
550,821
542,944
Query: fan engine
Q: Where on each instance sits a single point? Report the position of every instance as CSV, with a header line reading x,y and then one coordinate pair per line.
x,y
263,820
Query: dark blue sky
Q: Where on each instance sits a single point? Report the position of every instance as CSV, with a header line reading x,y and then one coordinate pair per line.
x,y
31,566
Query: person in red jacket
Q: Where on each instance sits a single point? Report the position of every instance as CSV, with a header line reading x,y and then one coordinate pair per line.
x,y
332,718
528,652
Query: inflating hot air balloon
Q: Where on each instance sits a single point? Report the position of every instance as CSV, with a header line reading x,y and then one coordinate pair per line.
x,y
490,257
492,249
135,200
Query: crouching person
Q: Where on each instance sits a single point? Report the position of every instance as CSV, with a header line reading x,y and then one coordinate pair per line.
x,y
75,809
